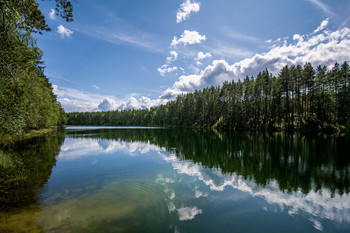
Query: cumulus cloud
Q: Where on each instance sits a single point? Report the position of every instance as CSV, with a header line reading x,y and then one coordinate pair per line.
x,y
64,32
71,105
166,69
201,56
52,14
188,37
172,57
141,103
185,10
321,48
214,74
297,37
110,104
170,94
107,105
73,100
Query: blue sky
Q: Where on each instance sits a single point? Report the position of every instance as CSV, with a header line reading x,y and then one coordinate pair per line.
x,y
120,54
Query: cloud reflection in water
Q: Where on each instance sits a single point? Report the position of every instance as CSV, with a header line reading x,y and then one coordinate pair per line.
x,y
321,205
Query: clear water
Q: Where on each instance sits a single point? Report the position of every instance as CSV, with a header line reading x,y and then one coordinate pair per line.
x,y
172,180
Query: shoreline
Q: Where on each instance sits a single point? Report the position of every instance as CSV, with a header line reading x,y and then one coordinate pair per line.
x,y
28,134
336,132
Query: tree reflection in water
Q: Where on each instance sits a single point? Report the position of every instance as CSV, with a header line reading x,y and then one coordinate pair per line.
x,y
294,161
300,173
25,167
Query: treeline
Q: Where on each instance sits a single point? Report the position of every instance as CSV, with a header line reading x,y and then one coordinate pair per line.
x,y
300,98
26,97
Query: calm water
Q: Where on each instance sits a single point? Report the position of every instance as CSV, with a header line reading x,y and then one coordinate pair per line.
x,y
170,180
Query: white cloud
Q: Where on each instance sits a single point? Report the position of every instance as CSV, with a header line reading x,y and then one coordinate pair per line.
x,y
166,69
322,25
201,56
73,100
52,14
321,48
70,105
108,104
172,56
96,87
188,37
185,10
64,32
214,74
140,103
170,94
298,37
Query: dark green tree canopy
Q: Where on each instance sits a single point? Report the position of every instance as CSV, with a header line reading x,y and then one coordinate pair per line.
x,y
28,16
26,97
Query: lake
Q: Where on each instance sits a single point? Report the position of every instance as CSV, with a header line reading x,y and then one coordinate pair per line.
x,y
122,179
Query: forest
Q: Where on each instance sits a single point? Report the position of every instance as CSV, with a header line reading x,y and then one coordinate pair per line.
x,y
300,98
26,98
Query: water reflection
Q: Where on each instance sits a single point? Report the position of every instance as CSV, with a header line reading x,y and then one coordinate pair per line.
x,y
74,148
172,180
296,162
298,174
25,166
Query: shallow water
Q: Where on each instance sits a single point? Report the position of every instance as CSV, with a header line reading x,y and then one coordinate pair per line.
x,y
171,180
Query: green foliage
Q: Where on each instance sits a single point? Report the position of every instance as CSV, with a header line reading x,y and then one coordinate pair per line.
x,y
300,98
26,97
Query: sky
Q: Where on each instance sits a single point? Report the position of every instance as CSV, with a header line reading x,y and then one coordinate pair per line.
x,y
135,54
